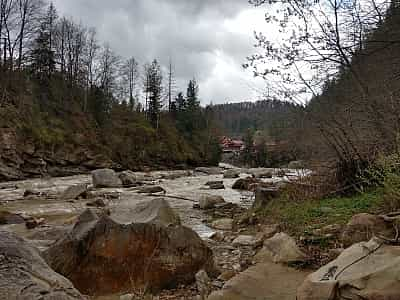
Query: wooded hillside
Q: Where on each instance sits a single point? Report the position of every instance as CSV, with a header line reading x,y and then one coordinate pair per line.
x,y
69,104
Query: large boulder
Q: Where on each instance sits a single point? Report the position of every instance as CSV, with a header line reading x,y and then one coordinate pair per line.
x,y
232,173
265,281
209,201
281,248
74,192
263,196
244,183
24,275
362,227
367,270
102,257
156,211
105,178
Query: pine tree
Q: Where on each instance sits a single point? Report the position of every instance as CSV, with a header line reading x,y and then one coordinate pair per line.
x,y
43,54
192,108
180,102
43,61
193,103
154,89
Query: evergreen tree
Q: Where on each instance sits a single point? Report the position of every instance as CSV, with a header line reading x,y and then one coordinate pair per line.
x,y
193,103
154,89
43,60
193,112
180,102
43,55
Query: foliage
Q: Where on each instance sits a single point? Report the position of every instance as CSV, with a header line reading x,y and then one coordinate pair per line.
x,y
299,216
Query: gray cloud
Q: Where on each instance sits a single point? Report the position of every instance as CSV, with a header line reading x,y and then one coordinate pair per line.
x,y
195,34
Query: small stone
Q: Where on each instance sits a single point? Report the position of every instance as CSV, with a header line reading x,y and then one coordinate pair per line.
x,y
151,190
232,173
33,223
30,192
225,276
209,201
217,236
216,186
97,203
246,240
223,224
237,267
203,283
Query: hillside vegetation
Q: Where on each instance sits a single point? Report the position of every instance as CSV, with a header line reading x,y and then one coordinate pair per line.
x,y
69,104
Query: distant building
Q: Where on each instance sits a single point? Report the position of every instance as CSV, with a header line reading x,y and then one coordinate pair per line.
x,y
229,145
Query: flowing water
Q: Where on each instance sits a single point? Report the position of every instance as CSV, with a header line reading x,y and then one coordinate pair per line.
x,y
58,212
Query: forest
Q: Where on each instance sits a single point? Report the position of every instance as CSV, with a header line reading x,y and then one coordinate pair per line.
x,y
337,83
62,91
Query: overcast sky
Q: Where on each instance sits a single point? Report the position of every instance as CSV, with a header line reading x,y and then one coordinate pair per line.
x,y
206,39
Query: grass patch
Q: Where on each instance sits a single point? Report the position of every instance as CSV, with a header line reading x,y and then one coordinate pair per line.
x,y
299,217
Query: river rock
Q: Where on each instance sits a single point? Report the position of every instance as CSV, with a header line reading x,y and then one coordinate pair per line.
x,y
209,201
105,178
362,227
264,196
151,190
268,231
74,192
32,223
209,171
232,173
97,203
266,281
7,218
129,178
170,175
261,172
215,185
203,283
367,270
24,275
244,183
103,257
156,211
246,240
223,224
281,248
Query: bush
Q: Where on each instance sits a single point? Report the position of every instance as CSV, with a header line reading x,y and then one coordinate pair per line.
x,y
391,192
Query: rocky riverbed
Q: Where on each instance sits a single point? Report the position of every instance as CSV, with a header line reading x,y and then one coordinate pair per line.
x,y
50,208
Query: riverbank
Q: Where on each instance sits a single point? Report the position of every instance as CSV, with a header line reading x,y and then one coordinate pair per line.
x,y
303,236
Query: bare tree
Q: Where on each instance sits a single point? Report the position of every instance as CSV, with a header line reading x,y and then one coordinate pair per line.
x,y
130,78
171,85
29,15
109,64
